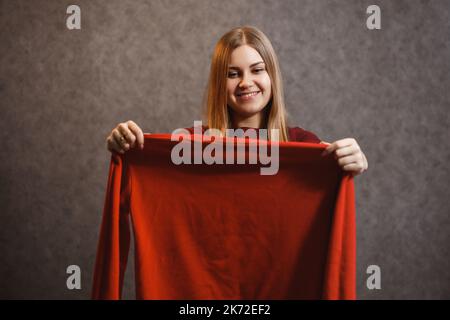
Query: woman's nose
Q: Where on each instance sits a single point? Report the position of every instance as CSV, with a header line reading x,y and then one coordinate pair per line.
x,y
246,81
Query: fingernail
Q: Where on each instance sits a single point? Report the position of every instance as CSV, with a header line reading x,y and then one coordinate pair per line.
x,y
142,146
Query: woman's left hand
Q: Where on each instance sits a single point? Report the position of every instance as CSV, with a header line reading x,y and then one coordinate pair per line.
x,y
348,154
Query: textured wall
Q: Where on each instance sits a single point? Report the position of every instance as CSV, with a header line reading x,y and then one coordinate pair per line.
x,y
61,92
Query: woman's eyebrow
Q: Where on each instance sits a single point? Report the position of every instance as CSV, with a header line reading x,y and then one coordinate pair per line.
x,y
252,65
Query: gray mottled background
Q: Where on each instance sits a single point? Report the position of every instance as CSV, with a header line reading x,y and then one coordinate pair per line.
x,y
62,91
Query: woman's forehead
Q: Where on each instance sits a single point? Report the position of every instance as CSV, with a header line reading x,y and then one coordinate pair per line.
x,y
245,56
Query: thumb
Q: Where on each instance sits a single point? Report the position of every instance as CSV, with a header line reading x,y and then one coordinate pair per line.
x,y
325,151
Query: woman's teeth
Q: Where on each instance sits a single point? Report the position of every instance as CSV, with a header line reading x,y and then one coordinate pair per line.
x,y
246,95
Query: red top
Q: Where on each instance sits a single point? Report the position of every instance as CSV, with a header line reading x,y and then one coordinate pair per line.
x,y
226,231
296,134
300,135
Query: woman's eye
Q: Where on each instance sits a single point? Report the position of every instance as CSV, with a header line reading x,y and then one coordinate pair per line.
x,y
233,74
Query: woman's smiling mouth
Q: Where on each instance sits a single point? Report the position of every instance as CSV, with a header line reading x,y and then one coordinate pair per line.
x,y
247,95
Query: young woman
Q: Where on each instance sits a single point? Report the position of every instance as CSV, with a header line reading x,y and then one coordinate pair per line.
x,y
245,91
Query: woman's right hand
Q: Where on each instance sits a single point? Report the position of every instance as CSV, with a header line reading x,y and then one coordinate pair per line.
x,y
125,136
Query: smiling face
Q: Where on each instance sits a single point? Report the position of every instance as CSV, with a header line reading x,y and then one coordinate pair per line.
x,y
248,87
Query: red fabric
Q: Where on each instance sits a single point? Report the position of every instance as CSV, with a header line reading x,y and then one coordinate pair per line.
x,y
225,231
295,134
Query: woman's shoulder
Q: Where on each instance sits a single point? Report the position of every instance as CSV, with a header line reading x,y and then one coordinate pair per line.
x,y
298,134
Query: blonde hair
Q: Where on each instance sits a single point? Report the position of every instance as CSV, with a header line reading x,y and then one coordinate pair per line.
x,y
215,101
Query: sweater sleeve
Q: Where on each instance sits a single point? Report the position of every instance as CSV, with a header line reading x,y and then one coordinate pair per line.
x,y
298,134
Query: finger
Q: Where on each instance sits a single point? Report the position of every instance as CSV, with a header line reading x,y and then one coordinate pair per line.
x,y
347,160
346,142
353,167
345,151
114,146
121,142
366,164
127,134
138,132
338,144
328,149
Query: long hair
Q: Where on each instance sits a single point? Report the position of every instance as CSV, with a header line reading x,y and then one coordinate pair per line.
x,y
215,100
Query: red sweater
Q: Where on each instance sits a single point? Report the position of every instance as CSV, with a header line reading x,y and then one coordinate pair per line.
x,y
225,231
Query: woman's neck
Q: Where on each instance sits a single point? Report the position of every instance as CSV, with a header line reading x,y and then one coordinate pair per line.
x,y
255,121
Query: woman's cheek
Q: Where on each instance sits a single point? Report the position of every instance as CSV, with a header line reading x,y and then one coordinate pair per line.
x,y
230,93
267,84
